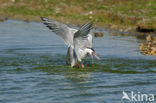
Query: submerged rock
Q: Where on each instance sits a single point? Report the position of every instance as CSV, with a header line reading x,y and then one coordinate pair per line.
x,y
1,20
27,20
96,34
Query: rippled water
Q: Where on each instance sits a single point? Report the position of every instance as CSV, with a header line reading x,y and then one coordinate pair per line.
x,y
33,69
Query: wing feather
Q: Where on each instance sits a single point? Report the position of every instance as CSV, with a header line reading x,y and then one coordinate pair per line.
x,y
82,38
84,30
60,29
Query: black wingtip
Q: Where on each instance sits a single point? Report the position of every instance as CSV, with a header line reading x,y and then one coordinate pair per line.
x,y
90,24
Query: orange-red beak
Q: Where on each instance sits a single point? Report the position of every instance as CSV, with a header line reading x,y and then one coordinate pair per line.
x,y
94,53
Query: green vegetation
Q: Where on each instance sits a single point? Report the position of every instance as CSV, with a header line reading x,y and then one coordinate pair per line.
x,y
105,13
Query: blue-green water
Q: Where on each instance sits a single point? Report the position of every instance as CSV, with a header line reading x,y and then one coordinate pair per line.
x,y
33,69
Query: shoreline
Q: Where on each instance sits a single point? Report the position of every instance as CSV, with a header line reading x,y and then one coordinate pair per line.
x,y
115,29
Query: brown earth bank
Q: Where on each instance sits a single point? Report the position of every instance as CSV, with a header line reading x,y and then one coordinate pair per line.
x,y
138,16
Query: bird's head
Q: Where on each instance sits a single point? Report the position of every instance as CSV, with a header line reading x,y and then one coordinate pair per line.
x,y
92,52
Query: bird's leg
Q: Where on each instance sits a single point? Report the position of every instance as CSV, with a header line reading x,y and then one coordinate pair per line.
x,y
92,61
92,58
77,65
82,66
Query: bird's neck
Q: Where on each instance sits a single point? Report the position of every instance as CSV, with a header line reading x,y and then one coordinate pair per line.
x,y
88,51
84,52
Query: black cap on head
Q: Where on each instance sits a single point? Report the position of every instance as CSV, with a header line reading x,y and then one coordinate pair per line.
x,y
92,49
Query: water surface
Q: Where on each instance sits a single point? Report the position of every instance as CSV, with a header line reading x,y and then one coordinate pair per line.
x,y
33,69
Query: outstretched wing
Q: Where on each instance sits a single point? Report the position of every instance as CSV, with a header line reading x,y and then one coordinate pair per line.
x,y
82,38
84,30
60,29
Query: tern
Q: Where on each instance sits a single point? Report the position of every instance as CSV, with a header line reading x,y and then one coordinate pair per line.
x,y
79,41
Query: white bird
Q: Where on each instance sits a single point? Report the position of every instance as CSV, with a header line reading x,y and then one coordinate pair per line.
x,y
79,41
